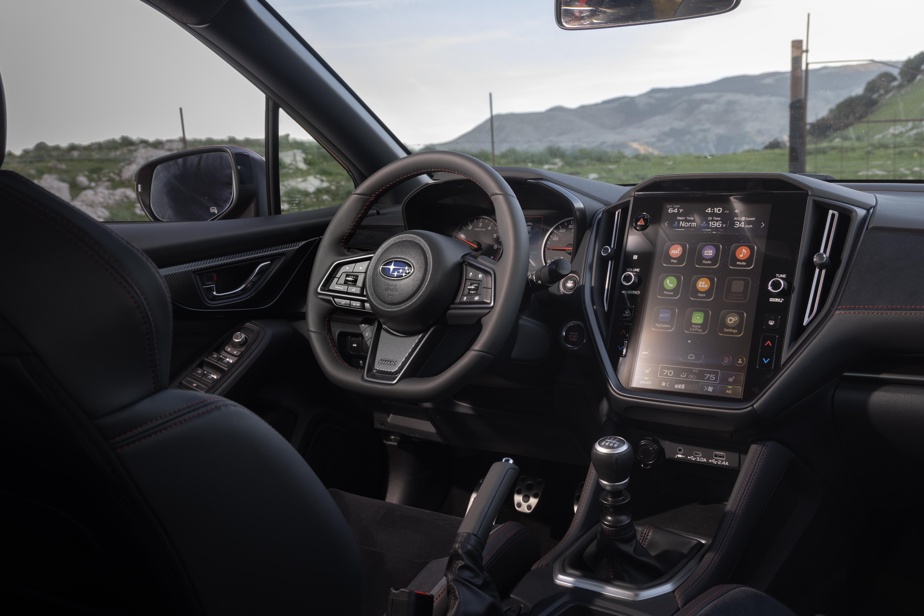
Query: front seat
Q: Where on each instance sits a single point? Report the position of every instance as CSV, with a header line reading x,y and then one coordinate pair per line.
x,y
119,495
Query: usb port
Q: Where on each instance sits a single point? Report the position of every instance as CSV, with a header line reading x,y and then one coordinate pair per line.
x,y
718,455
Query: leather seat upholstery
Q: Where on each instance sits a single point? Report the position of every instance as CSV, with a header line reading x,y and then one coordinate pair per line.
x,y
118,492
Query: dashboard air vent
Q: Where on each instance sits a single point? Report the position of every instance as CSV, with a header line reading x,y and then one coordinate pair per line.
x,y
829,233
611,247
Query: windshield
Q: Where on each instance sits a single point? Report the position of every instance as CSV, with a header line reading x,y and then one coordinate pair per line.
x,y
500,80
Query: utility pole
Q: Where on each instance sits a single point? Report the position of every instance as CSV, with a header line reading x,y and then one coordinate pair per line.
x,y
491,112
183,127
797,116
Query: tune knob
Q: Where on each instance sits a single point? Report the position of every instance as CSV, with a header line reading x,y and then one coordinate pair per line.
x,y
777,286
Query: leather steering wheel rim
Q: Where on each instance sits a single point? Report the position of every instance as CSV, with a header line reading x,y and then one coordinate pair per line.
x,y
510,277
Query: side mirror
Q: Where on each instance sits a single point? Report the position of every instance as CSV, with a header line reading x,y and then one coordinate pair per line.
x,y
206,183
588,14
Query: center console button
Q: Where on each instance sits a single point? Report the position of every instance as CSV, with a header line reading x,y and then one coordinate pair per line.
x,y
641,222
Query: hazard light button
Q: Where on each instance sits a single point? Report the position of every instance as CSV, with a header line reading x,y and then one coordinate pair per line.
x,y
641,222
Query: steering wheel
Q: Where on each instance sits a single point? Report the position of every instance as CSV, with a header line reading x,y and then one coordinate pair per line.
x,y
421,297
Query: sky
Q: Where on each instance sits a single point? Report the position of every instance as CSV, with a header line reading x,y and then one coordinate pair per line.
x,y
424,66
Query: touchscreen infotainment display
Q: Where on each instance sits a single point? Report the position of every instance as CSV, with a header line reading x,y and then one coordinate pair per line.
x,y
697,313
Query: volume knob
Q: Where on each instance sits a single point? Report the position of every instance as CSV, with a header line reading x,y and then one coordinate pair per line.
x,y
630,280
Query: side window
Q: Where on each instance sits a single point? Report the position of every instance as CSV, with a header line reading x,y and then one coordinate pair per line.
x,y
95,101
309,177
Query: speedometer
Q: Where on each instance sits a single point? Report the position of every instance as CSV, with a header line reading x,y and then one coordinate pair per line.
x,y
480,233
559,242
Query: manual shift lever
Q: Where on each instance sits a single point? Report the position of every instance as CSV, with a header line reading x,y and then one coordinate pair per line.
x,y
612,459
617,554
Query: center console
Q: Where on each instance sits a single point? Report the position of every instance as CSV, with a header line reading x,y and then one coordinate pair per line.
x,y
702,290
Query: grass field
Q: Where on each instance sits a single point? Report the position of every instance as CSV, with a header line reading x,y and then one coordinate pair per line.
x,y
98,177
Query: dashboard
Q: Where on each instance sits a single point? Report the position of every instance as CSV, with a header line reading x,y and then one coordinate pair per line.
x,y
707,302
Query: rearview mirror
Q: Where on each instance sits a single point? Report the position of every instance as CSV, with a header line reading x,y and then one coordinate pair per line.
x,y
587,14
202,184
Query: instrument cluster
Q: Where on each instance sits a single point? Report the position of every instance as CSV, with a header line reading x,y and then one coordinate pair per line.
x,y
459,210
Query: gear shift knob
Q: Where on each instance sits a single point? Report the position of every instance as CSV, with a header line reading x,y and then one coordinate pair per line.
x,y
612,459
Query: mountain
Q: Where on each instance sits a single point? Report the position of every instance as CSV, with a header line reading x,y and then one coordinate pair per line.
x,y
728,115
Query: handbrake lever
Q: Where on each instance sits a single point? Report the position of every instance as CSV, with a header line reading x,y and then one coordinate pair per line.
x,y
479,519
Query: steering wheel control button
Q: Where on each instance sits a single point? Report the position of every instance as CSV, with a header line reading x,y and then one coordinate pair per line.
x,y
573,335
346,279
675,255
477,287
766,353
641,222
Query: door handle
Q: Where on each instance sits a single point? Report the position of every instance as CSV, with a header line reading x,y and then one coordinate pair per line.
x,y
213,293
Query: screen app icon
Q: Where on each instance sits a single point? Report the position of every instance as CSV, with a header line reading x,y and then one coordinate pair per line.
x,y
702,288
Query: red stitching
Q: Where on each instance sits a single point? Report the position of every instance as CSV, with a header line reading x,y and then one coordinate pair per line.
x,y
186,419
589,482
158,419
719,543
881,313
502,543
883,306
646,534
708,597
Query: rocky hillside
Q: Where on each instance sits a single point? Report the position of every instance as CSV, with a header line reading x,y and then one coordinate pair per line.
x,y
729,115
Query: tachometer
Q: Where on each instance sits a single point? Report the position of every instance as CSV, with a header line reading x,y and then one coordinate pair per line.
x,y
559,242
480,233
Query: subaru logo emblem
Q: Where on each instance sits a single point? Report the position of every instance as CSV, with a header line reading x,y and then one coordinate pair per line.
x,y
396,269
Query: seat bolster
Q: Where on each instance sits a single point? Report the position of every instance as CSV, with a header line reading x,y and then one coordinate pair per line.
x,y
734,600
222,482
91,307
